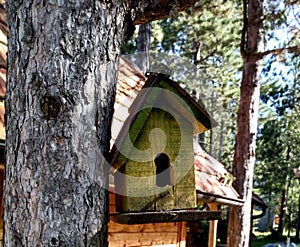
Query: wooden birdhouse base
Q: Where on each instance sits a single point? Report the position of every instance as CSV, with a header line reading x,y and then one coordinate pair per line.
x,y
164,216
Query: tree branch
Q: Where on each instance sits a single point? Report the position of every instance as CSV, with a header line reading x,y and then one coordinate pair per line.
x,y
277,51
158,9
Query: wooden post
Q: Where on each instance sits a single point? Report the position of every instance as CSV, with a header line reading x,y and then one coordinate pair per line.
x,y
212,237
181,234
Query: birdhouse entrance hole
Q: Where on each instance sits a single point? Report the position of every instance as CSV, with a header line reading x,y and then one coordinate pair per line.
x,y
164,170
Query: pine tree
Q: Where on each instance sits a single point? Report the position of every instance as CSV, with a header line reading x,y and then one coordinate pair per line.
x,y
62,65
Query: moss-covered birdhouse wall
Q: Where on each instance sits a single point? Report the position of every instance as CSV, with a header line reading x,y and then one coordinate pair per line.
x,y
166,181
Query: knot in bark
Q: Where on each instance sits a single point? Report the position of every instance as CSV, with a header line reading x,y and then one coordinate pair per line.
x,y
51,106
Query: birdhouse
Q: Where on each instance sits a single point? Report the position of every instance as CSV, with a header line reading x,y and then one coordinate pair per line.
x,y
153,156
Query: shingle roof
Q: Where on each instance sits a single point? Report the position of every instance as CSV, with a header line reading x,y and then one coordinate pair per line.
x,y
130,82
212,178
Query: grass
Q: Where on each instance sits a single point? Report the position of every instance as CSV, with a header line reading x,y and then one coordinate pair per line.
x,y
266,238
262,239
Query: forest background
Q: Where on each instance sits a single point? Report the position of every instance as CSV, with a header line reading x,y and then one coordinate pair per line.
x,y
200,48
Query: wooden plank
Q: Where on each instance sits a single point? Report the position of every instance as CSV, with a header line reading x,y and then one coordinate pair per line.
x,y
132,243
153,227
165,245
142,239
112,208
112,202
159,237
181,234
212,238
112,198
165,216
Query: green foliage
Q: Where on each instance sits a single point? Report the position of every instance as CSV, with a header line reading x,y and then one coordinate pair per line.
x,y
281,24
208,36
278,144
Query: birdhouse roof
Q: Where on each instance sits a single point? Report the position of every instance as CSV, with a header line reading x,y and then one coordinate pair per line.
x,y
179,99
159,91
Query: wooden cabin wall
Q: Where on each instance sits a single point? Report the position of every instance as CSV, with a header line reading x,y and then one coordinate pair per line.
x,y
171,234
142,234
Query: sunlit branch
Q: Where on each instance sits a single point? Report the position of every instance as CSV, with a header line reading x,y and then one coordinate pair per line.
x,y
277,51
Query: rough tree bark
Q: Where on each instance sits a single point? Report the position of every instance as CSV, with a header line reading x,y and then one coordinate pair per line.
x,y
244,158
62,64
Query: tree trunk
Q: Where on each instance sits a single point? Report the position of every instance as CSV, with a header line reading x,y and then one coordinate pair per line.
x,y
62,65
281,214
244,158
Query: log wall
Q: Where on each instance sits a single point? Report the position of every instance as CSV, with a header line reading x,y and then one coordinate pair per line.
x,y
171,234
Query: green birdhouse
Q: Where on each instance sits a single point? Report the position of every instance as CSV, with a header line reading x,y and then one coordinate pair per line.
x,y
153,155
